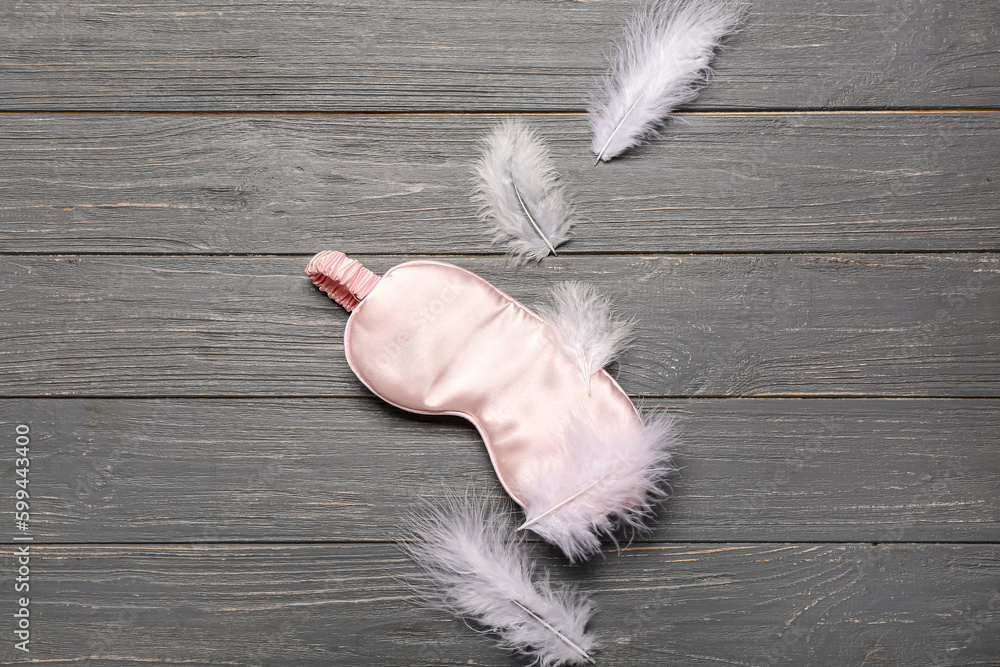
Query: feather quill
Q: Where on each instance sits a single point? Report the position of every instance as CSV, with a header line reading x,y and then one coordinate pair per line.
x,y
660,63
587,329
519,194
614,482
476,567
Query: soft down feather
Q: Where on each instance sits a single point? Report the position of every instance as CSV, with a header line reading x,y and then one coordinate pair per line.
x,y
660,63
520,197
613,483
476,567
588,330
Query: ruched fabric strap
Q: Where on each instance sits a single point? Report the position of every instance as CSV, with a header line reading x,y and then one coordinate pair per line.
x,y
345,280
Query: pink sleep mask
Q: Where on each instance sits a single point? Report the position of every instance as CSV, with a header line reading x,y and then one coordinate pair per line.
x,y
565,440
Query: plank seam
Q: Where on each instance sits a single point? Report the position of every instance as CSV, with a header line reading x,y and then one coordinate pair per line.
x,y
498,255
722,111
355,397
532,541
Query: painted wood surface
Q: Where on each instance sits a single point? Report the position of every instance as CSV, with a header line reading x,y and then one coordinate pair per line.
x,y
168,470
460,55
691,604
782,182
811,248
710,325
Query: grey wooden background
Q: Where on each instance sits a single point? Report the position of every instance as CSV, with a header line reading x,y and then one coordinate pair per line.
x,y
813,250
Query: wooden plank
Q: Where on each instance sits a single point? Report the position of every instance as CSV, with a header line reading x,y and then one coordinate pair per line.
x,y
383,184
348,469
691,604
735,325
396,55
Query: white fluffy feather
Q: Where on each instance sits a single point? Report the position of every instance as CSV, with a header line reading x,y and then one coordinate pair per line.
x,y
588,331
519,193
476,567
660,63
613,483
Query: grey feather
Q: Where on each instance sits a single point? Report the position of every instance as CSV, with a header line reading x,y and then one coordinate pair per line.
x,y
589,332
476,567
520,197
614,482
661,62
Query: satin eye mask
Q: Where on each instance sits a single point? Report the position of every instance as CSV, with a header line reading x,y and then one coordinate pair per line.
x,y
568,445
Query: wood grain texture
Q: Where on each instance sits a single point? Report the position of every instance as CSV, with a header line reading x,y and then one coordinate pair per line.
x,y
353,55
211,485
348,469
735,325
383,184
790,604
